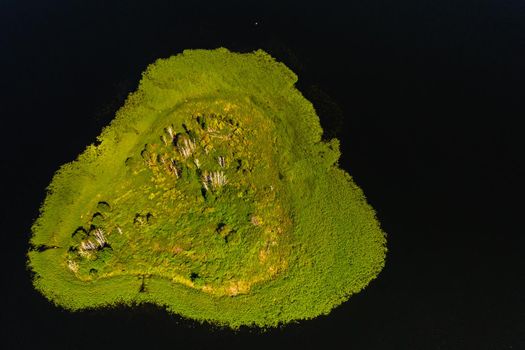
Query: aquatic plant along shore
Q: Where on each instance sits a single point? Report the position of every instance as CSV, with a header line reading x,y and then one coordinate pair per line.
x,y
212,194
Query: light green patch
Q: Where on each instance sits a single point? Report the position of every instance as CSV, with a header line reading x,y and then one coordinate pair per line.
x,y
210,193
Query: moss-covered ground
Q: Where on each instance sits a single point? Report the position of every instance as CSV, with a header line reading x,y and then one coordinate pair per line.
x,y
211,193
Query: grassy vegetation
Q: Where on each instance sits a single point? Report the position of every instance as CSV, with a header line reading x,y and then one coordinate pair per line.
x,y
211,193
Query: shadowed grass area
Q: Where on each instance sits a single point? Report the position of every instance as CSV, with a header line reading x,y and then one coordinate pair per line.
x,y
212,194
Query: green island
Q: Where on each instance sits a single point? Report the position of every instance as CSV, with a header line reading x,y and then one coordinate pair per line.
x,y
211,194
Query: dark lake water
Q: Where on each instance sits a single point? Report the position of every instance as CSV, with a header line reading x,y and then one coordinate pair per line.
x,y
426,97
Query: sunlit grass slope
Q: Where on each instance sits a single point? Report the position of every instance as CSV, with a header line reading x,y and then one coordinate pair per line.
x,y
212,194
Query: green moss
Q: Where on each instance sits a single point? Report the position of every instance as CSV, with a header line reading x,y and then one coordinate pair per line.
x,y
210,193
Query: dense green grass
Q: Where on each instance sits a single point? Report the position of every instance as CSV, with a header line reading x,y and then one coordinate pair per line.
x,y
210,193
